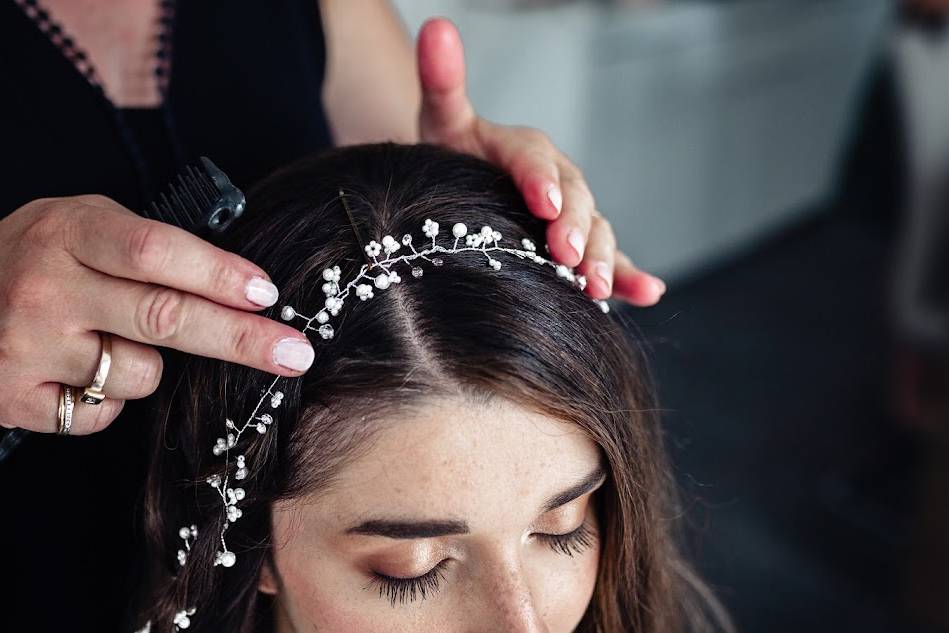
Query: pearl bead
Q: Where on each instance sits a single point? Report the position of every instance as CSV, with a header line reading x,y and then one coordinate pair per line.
x,y
382,281
228,559
287,313
322,317
459,230
184,533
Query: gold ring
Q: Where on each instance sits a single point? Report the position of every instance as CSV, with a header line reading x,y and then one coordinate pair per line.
x,y
93,393
67,400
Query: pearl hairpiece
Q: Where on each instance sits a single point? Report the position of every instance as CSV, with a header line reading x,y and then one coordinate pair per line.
x,y
486,241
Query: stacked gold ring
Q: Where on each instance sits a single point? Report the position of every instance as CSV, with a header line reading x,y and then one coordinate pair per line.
x,y
67,401
93,393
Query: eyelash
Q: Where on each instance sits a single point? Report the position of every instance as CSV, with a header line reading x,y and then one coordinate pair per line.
x,y
571,543
404,590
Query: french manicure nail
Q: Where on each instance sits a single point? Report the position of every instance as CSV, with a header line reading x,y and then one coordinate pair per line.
x,y
261,292
602,271
576,240
555,197
293,353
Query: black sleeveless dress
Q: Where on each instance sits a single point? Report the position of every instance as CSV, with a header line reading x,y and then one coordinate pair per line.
x,y
245,90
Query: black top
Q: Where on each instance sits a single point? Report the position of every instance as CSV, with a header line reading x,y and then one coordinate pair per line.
x,y
245,90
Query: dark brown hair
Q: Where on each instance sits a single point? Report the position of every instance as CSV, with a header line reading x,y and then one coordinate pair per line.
x,y
520,333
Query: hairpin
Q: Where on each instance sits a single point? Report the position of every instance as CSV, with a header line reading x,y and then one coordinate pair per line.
x,y
377,274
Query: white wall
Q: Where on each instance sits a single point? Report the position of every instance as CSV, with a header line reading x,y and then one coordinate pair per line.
x,y
701,126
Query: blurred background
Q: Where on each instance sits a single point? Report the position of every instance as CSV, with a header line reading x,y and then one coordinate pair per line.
x,y
783,164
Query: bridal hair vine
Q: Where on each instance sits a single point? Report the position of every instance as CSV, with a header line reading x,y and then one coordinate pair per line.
x,y
378,274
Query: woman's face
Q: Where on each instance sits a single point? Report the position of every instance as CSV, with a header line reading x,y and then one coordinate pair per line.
x,y
462,518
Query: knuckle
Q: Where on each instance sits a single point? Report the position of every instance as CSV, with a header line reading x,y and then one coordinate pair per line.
x,y
46,222
148,248
535,137
604,229
14,347
27,291
222,279
160,314
145,374
574,174
94,200
242,341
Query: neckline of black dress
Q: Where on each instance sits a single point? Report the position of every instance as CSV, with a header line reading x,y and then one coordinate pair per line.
x,y
79,60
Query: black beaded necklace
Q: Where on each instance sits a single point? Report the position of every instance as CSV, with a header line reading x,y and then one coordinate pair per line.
x,y
67,45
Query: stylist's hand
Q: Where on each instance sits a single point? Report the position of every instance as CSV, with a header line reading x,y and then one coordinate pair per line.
x,y
553,187
72,267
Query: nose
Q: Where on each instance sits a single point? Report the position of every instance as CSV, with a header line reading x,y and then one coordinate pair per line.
x,y
511,605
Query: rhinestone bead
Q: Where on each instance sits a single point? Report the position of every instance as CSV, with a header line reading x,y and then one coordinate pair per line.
x,y
417,272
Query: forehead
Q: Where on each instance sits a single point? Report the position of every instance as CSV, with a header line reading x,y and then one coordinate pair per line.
x,y
455,459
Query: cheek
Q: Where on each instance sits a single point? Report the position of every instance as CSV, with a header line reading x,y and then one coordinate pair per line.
x,y
566,587
314,598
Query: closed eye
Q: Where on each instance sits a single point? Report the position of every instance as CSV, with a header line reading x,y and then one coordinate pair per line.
x,y
575,542
403,590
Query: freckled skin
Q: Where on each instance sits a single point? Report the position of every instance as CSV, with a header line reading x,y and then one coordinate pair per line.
x,y
493,467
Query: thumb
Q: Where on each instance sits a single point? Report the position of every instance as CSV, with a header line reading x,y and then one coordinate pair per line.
x,y
446,113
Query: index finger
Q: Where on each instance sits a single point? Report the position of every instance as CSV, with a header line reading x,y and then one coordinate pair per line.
x,y
117,242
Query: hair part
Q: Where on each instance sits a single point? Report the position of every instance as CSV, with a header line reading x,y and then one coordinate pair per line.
x,y
519,333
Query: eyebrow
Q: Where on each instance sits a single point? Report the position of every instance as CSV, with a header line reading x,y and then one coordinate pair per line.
x,y
397,529
409,529
585,485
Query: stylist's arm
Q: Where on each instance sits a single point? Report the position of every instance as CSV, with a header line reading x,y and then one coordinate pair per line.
x,y
74,267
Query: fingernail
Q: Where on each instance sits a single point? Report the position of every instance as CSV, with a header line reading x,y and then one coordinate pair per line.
x,y
293,353
555,197
261,292
576,240
659,285
602,270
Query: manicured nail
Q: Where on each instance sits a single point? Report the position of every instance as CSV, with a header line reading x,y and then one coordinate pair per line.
x,y
293,353
602,270
261,292
659,285
576,240
555,197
